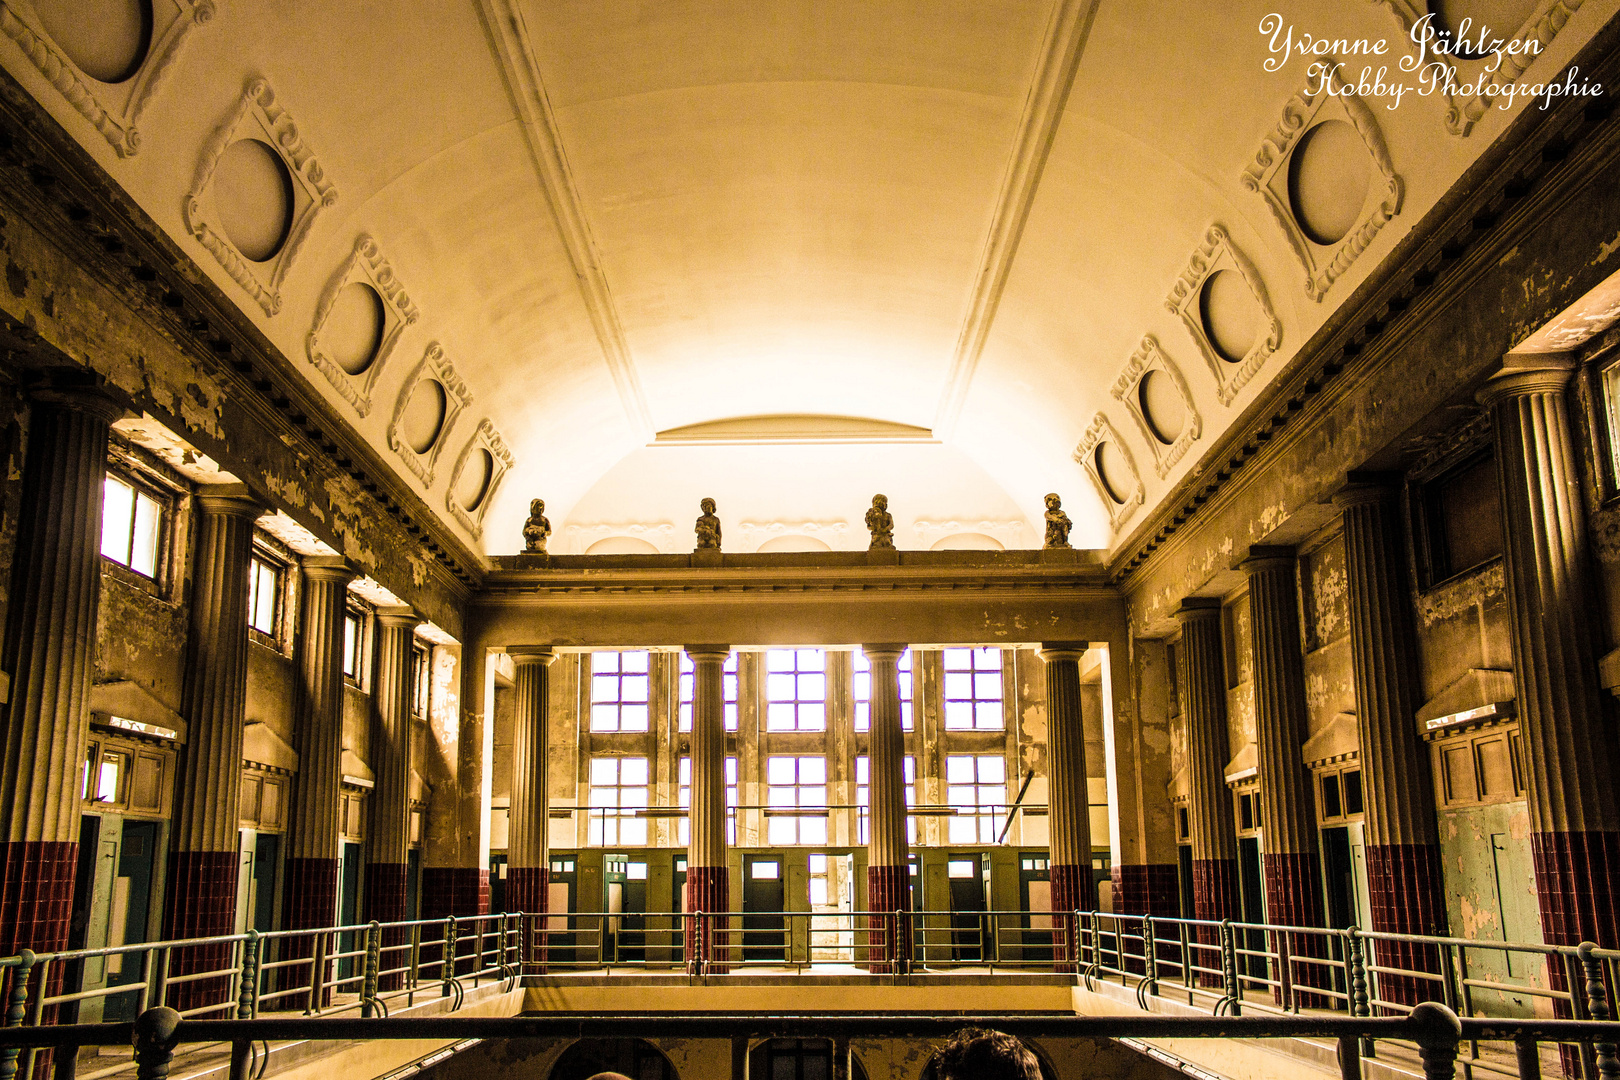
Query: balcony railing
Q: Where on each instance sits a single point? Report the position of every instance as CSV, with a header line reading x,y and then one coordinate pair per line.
x,y
1229,968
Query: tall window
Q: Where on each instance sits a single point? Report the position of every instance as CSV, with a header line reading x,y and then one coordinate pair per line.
x,y
619,691
796,690
863,794
976,785
421,678
131,526
731,800
618,790
973,690
791,783
264,596
353,645
863,691
728,684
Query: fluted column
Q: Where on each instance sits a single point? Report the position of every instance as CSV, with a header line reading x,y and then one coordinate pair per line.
x,y
1568,750
201,897
388,834
312,863
1404,883
50,643
707,887
1287,809
528,871
1203,683
888,869
1068,799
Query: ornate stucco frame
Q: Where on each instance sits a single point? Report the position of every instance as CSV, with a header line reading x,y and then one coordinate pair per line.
x,y
485,438
1215,253
1102,431
367,266
434,365
1149,356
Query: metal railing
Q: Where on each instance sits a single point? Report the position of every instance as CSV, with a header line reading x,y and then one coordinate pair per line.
x,y
1435,1031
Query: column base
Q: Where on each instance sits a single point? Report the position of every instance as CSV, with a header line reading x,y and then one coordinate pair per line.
x,y
201,902
385,903
888,938
708,944
1072,891
1406,888
311,903
1215,897
1147,889
528,891
36,895
1294,898
454,890
1577,890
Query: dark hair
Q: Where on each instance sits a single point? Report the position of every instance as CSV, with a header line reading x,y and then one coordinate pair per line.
x,y
982,1054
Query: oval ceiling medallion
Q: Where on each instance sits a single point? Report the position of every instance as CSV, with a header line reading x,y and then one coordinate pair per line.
x,y
1329,173
108,40
1230,317
253,194
424,415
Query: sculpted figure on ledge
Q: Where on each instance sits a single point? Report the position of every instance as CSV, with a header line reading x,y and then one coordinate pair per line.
x,y
536,529
881,522
708,527
1057,523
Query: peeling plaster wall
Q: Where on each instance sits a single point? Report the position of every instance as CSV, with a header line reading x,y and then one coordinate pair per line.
x,y
140,637
357,723
1485,851
1462,624
1330,687
272,683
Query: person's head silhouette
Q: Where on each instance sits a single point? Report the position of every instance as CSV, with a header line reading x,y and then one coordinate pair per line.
x,y
982,1054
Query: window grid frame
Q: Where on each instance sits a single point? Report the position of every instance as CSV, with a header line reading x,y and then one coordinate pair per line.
x,y
163,499
683,796
782,826
981,822
863,796
996,705
619,702
624,826
798,702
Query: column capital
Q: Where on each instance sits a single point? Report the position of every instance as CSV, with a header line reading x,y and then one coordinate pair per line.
x,y
1194,608
524,655
229,500
708,652
82,390
883,652
1528,373
1362,487
404,617
1262,557
1053,651
327,568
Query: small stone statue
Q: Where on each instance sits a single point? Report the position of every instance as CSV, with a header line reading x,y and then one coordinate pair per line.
x,y
708,527
536,529
1057,523
881,522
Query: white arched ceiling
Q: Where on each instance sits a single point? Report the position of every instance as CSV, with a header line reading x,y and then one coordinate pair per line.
x,y
618,219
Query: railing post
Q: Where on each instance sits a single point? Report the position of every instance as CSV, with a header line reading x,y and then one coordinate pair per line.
x,y
447,967
155,1038
1358,972
248,983
368,986
1229,976
1096,939
1285,973
317,977
1597,1004
241,1058
1437,1032
1150,957
16,1009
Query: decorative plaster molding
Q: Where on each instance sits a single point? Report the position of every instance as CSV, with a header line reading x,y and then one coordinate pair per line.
x,y
1217,253
1059,58
112,108
1150,357
504,18
1462,113
433,365
660,534
1267,176
1102,431
366,265
1008,531
269,123
755,533
500,461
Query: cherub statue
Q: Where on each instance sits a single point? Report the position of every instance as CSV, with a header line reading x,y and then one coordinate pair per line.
x,y
881,522
708,527
536,529
1057,523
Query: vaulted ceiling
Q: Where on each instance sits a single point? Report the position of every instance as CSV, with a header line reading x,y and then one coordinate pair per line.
x,y
785,253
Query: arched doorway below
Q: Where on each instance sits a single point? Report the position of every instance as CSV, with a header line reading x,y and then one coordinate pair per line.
x,y
635,1058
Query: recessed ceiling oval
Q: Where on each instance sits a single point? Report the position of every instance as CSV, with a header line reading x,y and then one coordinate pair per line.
x,y
353,330
108,40
1230,315
1112,471
424,415
1162,407
1329,173
473,483
253,193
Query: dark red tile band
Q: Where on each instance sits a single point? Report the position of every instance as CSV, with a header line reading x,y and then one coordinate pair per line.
x,y
201,902
1215,897
707,890
1406,889
888,890
384,902
528,889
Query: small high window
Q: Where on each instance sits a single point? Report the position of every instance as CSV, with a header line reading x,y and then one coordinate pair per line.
x,y
619,684
973,690
976,785
618,790
264,596
1458,520
421,678
353,644
133,520
796,690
